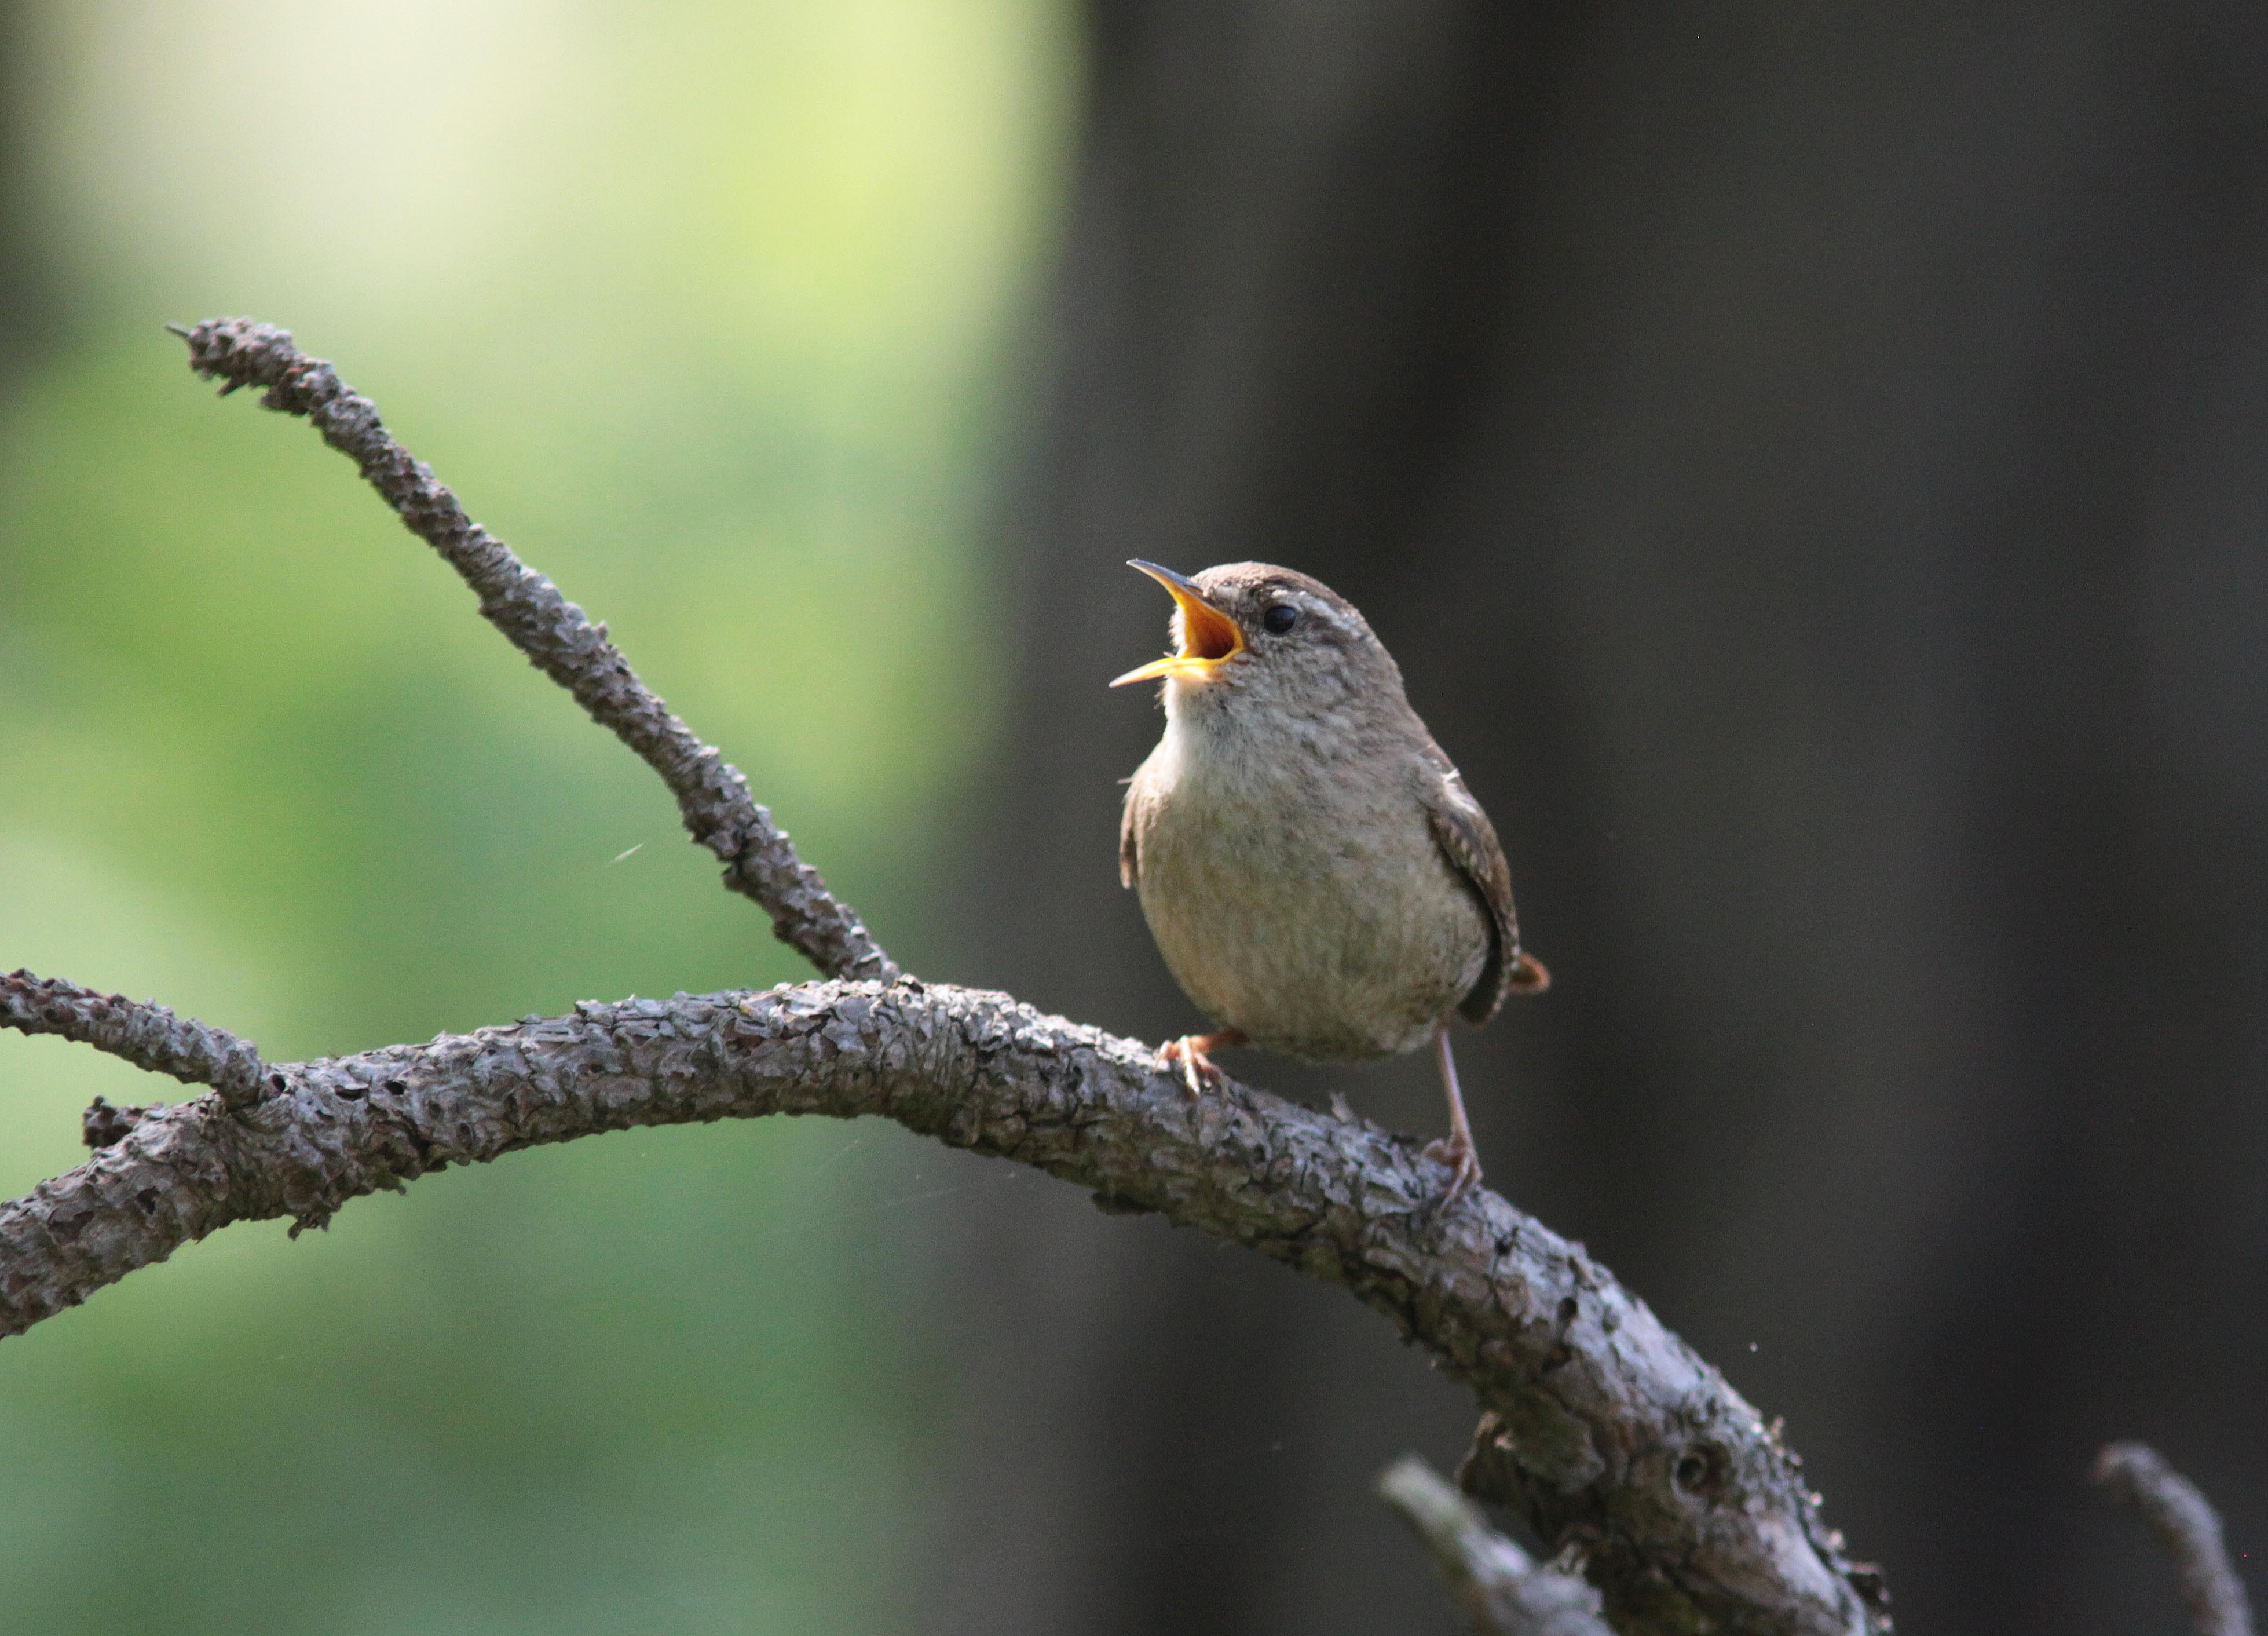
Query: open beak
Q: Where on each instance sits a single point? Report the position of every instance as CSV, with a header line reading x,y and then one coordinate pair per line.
x,y
1208,638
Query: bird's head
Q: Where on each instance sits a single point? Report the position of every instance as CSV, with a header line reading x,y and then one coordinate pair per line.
x,y
1250,637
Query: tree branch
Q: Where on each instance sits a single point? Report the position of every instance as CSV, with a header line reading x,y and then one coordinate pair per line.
x,y
2137,1477
146,1034
1603,1428
1500,1590
712,797
1624,1441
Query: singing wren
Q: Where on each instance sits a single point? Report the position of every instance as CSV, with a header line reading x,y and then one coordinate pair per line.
x,y
1318,878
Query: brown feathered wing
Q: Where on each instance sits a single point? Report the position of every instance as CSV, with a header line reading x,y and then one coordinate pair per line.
x,y
1469,841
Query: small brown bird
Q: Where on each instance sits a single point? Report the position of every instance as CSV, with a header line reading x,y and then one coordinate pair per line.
x,y
1316,875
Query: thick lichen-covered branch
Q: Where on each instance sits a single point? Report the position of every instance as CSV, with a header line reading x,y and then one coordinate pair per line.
x,y
712,797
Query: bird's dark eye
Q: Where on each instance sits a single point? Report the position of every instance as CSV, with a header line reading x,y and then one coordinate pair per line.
x,y
1280,618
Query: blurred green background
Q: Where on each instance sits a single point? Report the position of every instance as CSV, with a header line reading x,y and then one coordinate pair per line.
x,y
708,310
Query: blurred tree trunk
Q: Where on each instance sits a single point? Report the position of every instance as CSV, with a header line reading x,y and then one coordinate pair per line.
x,y
1809,463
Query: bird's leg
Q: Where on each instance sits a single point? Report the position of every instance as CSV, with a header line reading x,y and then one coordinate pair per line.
x,y
1457,1149
1191,1054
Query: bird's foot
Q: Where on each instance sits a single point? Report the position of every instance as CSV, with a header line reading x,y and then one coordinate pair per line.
x,y
1464,1166
1191,1055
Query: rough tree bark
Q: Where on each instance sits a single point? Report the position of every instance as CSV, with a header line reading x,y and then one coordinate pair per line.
x,y
1608,1434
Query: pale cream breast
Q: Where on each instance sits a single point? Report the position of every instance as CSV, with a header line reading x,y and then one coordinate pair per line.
x,y
1300,896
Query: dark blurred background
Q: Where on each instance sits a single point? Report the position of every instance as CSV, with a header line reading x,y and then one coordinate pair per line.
x,y
1806,460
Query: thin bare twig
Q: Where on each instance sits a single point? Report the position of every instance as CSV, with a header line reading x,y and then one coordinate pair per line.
x,y
145,1033
2138,1477
557,638
1500,1590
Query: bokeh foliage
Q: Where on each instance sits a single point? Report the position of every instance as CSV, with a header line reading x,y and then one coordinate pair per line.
x,y
706,309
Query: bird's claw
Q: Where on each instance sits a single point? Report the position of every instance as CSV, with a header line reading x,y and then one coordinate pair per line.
x,y
1464,1166
1198,1071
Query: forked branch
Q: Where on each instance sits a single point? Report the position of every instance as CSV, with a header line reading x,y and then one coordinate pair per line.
x,y
1602,1426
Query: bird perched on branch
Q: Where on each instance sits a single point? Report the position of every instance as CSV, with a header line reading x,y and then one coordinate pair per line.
x,y
1316,875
